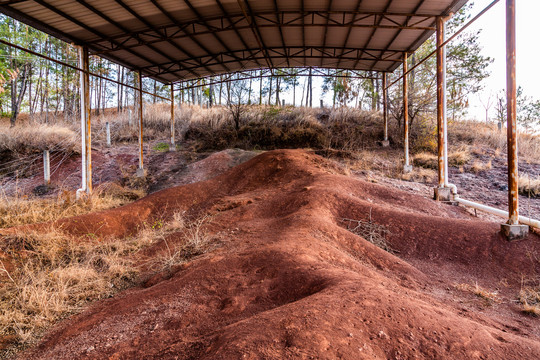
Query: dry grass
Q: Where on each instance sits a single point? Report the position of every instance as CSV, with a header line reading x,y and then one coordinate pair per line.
x,y
478,135
37,138
529,186
529,297
489,296
422,175
48,276
21,209
426,160
196,239
460,156
479,166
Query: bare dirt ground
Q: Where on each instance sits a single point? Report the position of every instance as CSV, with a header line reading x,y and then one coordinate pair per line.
x,y
289,281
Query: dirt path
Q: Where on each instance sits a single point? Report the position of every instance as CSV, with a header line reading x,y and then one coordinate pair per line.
x,y
290,282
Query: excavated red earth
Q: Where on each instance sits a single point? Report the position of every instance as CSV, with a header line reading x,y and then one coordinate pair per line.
x,y
290,282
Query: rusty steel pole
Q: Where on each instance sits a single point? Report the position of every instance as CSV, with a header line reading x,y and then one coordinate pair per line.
x,y
407,167
140,171
385,107
86,128
511,93
173,144
441,102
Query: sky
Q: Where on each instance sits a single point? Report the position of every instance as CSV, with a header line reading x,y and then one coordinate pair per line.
x,y
493,42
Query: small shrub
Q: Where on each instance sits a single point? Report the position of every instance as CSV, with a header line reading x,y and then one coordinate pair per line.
x,y
161,147
426,160
529,186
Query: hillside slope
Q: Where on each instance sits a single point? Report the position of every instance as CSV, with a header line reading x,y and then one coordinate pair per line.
x,y
289,281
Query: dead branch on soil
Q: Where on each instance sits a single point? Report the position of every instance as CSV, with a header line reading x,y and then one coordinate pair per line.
x,y
371,231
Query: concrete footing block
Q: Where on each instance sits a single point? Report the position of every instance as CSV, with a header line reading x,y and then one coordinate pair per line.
x,y
384,143
442,194
515,232
140,173
407,168
172,147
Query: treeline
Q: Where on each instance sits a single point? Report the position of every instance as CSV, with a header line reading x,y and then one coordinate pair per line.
x,y
46,90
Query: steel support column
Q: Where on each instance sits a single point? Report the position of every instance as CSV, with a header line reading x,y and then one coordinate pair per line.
x,y
407,166
140,170
441,101
511,91
173,144
86,128
385,141
385,107
512,229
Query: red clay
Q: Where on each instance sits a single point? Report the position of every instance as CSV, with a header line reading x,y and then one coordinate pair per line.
x,y
289,282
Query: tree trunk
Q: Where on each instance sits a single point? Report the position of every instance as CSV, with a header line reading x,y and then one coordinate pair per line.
x,y
260,88
16,99
270,92
278,85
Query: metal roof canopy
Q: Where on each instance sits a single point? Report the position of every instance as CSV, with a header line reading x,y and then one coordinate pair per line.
x,y
175,40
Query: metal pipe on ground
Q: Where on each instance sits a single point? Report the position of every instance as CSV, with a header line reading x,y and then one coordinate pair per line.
x,y
498,212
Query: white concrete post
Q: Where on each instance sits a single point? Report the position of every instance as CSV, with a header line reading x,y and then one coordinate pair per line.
x,y
108,129
86,135
46,167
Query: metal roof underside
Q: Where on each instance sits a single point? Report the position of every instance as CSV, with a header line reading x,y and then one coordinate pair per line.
x,y
174,40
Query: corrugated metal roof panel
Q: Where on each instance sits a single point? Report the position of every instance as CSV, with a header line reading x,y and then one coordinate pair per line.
x,y
172,40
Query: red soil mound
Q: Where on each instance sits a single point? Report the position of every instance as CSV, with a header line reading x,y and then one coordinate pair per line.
x,y
291,282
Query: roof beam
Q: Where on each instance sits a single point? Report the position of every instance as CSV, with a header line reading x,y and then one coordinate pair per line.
x,y
235,29
420,3
192,8
119,26
246,9
88,28
281,32
350,27
375,28
326,27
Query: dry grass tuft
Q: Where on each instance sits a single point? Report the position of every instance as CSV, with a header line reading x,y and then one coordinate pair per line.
x,y
422,175
529,186
37,138
21,209
426,160
53,275
460,156
479,166
529,297
489,296
45,277
195,235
